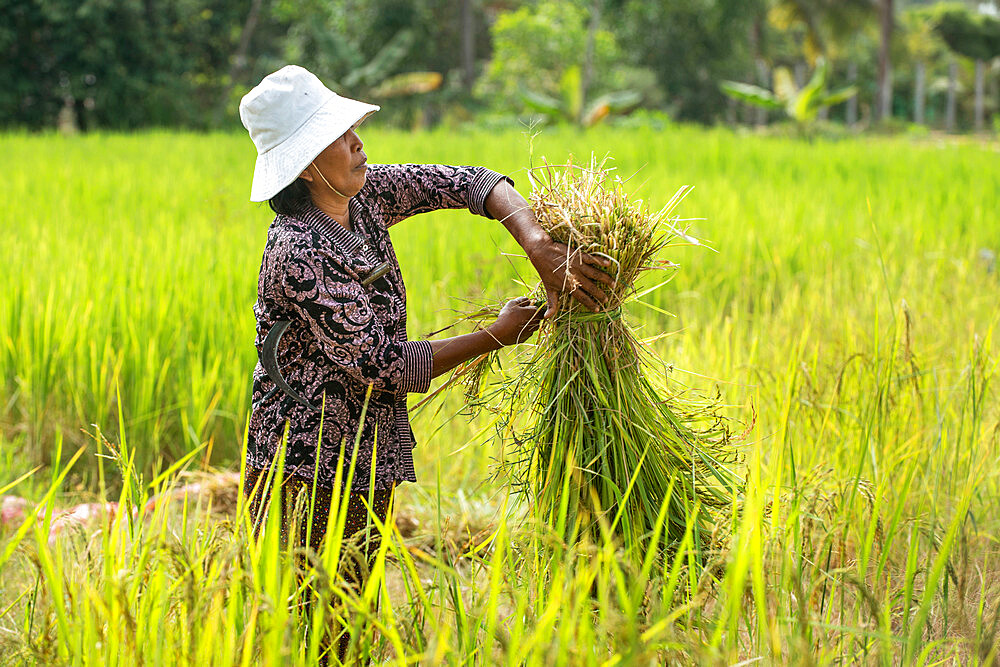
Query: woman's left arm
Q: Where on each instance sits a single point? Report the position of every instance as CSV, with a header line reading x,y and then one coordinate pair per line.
x,y
403,190
559,269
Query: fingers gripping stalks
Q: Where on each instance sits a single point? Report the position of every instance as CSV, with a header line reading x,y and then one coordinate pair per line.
x,y
517,321
565,270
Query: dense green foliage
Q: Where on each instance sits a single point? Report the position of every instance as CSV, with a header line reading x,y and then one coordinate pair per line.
x,y
185,63
691,45
976,37
534,48
143,63
117,64
852,302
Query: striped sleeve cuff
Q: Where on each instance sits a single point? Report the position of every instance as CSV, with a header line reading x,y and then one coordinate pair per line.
x,y
419,364
480,189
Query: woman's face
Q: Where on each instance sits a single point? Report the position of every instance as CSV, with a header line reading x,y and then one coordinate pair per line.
x,y
342,163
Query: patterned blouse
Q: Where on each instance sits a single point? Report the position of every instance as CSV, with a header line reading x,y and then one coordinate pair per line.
x,y
345,337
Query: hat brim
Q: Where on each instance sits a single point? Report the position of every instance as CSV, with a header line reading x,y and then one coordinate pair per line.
x,y
280,166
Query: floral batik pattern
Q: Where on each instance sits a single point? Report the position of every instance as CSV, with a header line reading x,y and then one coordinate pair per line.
x,y
346,338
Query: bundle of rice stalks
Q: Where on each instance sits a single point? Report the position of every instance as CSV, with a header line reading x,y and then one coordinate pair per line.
x,y
597,434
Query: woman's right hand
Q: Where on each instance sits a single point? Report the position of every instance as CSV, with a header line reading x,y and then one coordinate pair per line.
x,y
517,321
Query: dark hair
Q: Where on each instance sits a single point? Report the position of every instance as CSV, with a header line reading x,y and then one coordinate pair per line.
x,y
292,199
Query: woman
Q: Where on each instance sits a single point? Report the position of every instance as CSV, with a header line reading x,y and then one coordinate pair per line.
x,y
331,284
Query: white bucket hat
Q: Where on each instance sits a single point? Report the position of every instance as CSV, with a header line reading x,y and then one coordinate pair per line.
x,y
292,117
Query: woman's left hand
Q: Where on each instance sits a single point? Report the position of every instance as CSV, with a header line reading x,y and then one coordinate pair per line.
x,y
578,273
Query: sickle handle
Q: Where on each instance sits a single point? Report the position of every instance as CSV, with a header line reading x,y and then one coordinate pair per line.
x,y
376,273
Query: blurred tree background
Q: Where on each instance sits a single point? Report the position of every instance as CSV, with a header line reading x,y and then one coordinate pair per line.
x,y
125,64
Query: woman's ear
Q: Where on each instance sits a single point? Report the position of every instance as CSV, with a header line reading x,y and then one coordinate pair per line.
x,y
306,175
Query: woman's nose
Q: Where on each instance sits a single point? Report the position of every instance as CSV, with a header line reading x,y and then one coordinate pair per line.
x,y
356,143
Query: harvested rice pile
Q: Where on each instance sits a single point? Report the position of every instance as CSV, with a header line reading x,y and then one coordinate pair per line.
x,y
596,433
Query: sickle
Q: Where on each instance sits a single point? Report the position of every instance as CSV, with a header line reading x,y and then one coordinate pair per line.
x,y
269,360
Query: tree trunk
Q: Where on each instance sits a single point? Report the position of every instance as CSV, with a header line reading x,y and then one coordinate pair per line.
x,y
588,58
884,61
852,104
748,112
239,60
468,46
66,120
919,93
764,79
799,75
980,86
949,119
823,114
730,111
751,113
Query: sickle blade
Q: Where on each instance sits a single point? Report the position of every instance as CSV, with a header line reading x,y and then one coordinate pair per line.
x,y
269,360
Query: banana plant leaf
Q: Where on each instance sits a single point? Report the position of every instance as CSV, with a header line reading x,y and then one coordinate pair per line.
x,y
840,96
409,83
751,94
572,94
784,87
807,103
543,104
621,101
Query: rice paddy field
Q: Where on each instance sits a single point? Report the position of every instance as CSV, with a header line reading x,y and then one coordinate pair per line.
x,y
846,313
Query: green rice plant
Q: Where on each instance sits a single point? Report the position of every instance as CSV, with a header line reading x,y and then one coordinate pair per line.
x,y
868,528
215,594
883,553
598,435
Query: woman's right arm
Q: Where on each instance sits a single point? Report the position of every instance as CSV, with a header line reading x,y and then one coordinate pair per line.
x,y
517,321
337,311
